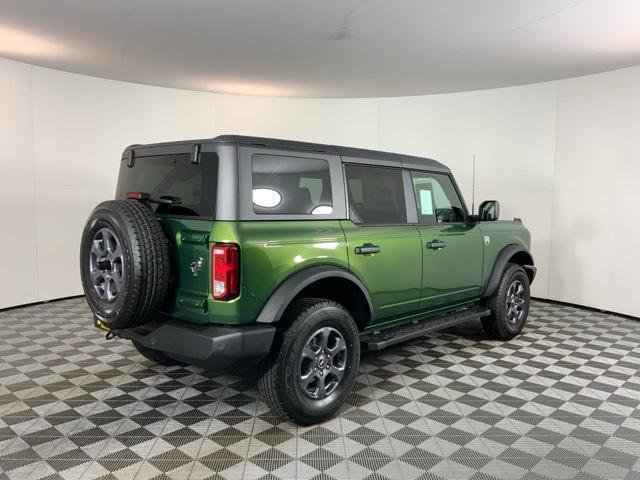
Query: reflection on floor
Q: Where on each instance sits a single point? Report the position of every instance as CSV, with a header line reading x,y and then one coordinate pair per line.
x,y
560,401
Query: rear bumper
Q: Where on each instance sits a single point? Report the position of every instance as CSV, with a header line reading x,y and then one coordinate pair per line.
x,y
213,347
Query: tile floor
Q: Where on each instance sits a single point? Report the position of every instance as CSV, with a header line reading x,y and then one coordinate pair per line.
x,y
560,401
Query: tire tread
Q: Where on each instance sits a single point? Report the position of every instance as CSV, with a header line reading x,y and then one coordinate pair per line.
x,y
148,275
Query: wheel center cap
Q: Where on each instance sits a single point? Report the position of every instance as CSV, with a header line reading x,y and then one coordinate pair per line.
x,y
104,264
321,362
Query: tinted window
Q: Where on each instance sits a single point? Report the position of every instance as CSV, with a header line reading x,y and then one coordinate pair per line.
x,y
174,176
290,185
376,194
436,198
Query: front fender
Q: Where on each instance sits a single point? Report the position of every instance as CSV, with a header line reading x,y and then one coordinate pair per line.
x,y
292,286
505,255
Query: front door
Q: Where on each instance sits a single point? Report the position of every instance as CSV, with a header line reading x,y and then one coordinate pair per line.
x,y
385,252
452,247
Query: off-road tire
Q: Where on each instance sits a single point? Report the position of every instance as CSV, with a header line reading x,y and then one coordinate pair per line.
x,y
497,325
279,383
156,356
145,256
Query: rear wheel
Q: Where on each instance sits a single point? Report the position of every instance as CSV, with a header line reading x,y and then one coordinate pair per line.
x,y
509,304
311,373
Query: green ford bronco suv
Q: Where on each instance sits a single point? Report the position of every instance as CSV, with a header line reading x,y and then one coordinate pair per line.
x,y
241,252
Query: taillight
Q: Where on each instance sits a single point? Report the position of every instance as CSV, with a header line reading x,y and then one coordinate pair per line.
x,y
225,271
138,196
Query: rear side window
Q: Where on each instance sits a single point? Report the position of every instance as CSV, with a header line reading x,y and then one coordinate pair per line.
x,y
376,194
290,185
192,186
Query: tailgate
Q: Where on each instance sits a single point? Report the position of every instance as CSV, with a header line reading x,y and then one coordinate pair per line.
x,y
189,284
182,194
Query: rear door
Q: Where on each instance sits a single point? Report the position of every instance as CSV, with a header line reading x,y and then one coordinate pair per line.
x,y
384,250
452,247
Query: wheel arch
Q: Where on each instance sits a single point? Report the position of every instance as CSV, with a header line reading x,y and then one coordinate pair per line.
x,y
512,253
333,283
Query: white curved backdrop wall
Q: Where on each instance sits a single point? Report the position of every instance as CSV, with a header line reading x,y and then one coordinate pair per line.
x,y
561,155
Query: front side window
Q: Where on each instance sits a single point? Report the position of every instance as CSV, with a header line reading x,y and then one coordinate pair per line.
x,y
284,185
376,194
436,199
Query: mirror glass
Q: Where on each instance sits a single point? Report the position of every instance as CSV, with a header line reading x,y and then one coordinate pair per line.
x,y
489,210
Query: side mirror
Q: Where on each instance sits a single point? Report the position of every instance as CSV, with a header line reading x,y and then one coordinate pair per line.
x,y
489,211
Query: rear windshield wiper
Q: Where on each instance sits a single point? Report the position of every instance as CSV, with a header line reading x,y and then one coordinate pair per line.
x,y
145,197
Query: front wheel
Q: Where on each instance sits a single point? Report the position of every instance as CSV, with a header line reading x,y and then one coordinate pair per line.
x,y
509,304
316,362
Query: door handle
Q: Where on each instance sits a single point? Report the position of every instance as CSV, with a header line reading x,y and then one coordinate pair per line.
x,y
367,249
436,244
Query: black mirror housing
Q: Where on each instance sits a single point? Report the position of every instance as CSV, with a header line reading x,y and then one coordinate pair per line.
x,y
489,211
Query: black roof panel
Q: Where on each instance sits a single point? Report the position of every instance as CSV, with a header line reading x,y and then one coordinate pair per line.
x,y
359,155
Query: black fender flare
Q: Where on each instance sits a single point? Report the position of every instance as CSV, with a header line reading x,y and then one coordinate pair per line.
x,y
283,295
501,262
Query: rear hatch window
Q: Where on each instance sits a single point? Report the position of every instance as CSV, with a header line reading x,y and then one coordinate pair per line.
x,y
192,186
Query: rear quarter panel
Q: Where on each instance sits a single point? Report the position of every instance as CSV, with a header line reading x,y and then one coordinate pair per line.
x,y
501,233
266,263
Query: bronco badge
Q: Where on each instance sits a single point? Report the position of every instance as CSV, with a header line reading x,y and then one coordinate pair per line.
x,y
196,266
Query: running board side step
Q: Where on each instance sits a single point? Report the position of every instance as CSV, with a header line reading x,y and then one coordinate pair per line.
x,y
386,338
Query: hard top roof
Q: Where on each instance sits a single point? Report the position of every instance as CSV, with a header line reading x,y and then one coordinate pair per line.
x,y
400,160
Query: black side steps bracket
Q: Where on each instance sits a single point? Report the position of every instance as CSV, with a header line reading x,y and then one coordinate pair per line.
x,y
384,339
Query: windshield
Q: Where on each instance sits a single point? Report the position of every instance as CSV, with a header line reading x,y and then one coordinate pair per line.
x,y
194,186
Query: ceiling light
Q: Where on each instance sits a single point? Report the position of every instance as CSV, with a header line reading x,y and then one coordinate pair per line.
x,y
14,42
246,88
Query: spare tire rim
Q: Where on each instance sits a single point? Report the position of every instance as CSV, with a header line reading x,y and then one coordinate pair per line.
x,y
323,363
516,299
106,264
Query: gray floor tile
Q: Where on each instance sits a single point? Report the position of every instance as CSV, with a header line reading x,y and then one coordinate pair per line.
x,y
560,401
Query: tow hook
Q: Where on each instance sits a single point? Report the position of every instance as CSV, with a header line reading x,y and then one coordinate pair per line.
x,y
110,335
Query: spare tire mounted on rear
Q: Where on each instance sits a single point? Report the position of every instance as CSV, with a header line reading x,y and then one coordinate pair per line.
x,y
124,263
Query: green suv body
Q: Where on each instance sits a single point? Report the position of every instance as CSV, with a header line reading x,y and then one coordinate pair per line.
x,y
226,253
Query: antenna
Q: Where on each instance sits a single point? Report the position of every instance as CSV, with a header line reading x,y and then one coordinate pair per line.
x,y
473,186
